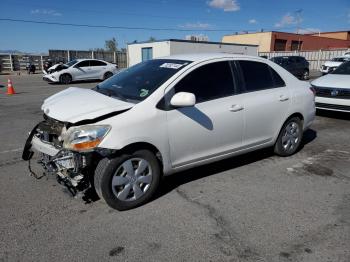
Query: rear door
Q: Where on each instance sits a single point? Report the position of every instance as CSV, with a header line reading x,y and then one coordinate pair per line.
x,y
266,100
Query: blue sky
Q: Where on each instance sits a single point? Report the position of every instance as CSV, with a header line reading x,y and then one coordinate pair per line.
x,y
194,15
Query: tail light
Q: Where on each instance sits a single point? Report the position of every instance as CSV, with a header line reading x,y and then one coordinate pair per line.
x,y
313,90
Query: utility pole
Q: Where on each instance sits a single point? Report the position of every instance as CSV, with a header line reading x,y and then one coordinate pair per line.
x,y
298,21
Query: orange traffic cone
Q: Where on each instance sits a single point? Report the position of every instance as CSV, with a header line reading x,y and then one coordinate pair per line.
x,y
10,89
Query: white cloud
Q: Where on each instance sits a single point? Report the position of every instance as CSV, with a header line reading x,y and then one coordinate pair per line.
x,y
288,19
45,12
252,21
309,30
226,5
197,25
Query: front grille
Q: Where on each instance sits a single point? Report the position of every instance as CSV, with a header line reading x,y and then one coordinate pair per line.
x,y
339,93
332,106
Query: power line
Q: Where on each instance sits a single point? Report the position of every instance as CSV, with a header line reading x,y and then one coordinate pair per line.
x,y
120,27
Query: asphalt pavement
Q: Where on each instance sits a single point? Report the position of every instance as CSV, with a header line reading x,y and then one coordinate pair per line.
x,y
255,207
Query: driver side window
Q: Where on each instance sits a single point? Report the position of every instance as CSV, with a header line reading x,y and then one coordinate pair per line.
x,y
83,64
208,82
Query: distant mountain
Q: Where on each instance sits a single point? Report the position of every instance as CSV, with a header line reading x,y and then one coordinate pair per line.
x,y
11,52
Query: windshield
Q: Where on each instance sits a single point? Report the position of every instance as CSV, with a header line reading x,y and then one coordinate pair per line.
x,y
139,81
343,69
72,62
338,59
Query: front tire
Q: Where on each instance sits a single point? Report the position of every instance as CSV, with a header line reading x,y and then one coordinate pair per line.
x,y
129,180
65,79
290,136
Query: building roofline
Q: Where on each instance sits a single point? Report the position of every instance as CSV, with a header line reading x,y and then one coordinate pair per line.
x,y
279,32
190,41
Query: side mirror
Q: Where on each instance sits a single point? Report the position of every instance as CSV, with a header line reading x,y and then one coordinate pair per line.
x,y
183,99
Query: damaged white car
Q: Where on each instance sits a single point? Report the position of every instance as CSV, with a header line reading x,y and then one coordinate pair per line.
x,y
166,115
79,70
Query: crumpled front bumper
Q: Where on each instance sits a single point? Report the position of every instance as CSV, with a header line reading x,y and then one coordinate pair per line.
x,y
50,78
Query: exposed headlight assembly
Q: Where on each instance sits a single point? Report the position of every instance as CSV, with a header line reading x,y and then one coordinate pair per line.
x,y
85,138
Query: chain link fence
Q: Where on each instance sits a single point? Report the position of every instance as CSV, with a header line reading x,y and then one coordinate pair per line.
x,y
19,62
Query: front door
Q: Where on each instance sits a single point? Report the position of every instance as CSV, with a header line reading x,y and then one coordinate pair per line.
x,y
214,125
81,71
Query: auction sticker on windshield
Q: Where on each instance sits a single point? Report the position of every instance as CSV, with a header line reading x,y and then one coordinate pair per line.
x,y
171,65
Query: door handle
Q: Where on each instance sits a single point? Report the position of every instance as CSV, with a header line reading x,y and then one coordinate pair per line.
x,y
283,98
236,108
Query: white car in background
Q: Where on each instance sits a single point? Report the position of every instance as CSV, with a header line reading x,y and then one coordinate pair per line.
x,y
331,65
333,90
165,115
78,70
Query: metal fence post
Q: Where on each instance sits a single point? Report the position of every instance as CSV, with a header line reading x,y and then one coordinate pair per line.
x,y
92,55
11,63
68,56
114,57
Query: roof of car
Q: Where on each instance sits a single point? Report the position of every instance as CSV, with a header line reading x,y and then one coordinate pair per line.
x,y
198,57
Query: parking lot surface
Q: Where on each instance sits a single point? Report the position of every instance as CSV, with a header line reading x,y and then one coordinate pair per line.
x,y
256,207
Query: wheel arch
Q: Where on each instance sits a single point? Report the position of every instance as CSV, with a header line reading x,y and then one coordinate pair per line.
x,y
65,73
296,114
142,145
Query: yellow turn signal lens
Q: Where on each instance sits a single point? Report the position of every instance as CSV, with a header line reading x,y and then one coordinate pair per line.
x,y
86,145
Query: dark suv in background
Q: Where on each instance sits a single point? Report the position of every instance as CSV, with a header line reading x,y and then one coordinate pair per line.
x,y
297,65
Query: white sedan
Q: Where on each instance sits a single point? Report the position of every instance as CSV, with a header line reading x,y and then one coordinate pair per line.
x,y
333,90
165,115
80,69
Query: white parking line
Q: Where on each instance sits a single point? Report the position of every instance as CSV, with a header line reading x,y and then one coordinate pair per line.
x,y
11,150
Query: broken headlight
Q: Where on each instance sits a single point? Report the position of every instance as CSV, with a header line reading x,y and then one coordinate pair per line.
x,y
85,138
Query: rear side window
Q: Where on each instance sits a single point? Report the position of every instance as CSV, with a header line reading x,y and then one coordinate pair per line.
x,y
97,63
278,81
256,75
208,82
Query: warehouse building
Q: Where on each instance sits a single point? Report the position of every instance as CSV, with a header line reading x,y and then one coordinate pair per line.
x,y
281,41
142,51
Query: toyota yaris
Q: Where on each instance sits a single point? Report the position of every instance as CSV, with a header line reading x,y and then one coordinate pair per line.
x,y
166,115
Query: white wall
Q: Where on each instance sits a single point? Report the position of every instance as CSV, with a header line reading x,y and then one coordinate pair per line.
x,y
135,54
185,47
166,48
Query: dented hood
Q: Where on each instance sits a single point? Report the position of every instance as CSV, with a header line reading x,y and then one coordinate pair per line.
x,y
76,104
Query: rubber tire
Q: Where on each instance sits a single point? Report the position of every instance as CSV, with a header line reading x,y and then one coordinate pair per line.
x,y
66,81
104,173
278,148
307,76
107,75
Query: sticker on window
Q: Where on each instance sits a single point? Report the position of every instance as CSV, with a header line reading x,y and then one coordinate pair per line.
x,y
171,65
143,92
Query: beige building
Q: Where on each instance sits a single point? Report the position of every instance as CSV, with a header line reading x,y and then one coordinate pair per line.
x,y
281,41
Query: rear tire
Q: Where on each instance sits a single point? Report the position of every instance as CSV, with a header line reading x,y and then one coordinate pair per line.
x,y
306,75
289,138
65,79
129,180
107,75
